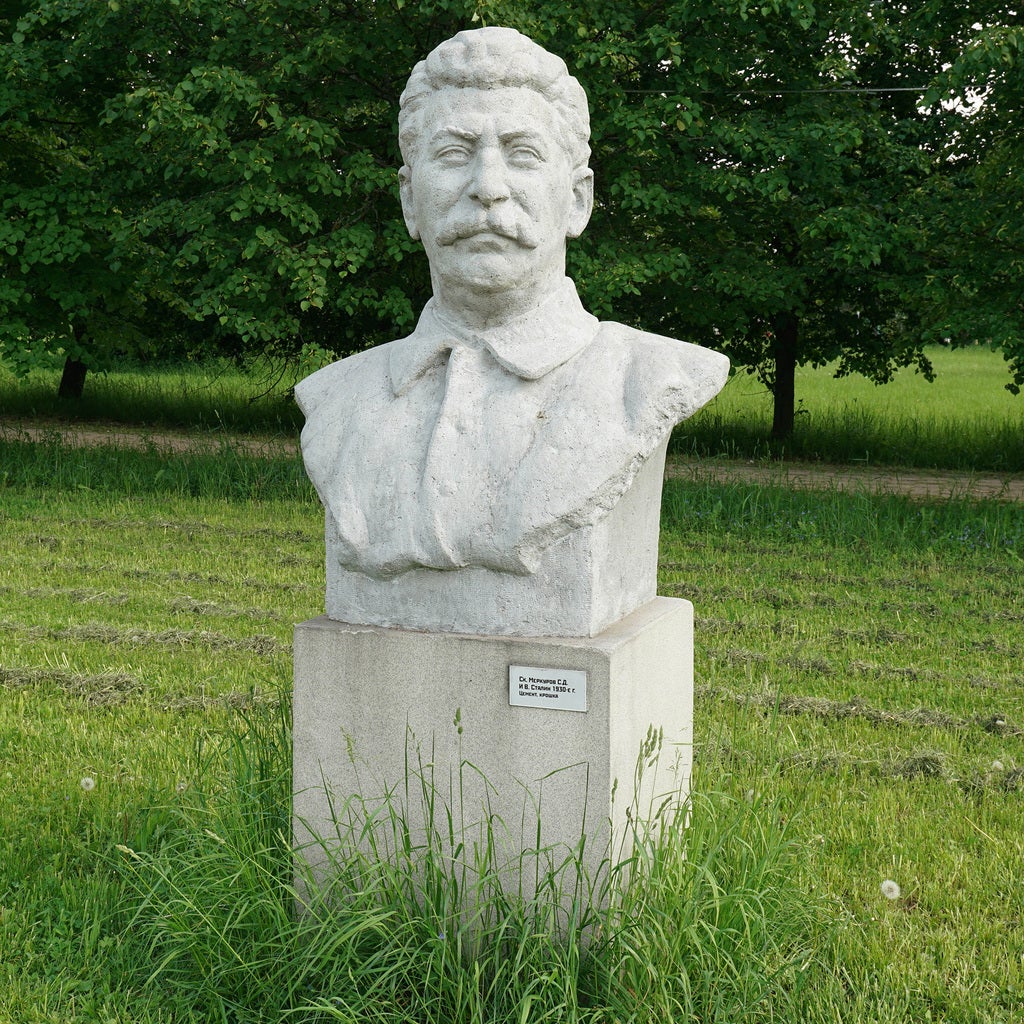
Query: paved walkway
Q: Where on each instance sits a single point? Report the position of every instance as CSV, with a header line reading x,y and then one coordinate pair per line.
x,y
917,483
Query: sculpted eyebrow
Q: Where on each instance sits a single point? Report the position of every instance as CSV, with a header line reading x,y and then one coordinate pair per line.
x,y
522,135
460,133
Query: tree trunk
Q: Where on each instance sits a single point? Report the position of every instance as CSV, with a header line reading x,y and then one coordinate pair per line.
x,y
786,336
72,380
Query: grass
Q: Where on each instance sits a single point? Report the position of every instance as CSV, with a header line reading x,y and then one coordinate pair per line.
x,y
212,397
225,471
391,944
965,419
870,651
859,717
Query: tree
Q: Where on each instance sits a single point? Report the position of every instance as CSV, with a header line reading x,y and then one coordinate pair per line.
x,y
766,166
223,164
55,288
772,178
976,283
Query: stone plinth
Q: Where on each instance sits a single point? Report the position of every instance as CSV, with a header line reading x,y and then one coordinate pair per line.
x,y
371,701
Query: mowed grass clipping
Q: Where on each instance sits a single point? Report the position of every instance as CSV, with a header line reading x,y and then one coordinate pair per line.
x,y
859,682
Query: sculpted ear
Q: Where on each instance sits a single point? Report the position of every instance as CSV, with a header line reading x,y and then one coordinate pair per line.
x,y
408,207
582,201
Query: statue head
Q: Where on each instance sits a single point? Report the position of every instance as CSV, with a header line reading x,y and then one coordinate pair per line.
x,y
494,58
494,134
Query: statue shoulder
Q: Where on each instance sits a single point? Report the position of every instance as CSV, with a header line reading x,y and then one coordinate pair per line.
x,y
336,379
679,373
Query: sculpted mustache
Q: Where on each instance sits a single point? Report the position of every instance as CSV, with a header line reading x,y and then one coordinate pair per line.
x,y
505,226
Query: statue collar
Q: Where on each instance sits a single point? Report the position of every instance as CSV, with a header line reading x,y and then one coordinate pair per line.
x,y
529,346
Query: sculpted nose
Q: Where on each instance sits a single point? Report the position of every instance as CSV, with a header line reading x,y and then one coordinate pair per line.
x,y
490,183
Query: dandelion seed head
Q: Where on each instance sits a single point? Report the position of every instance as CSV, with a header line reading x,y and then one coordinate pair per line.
x,y
997,766
890,890
88,783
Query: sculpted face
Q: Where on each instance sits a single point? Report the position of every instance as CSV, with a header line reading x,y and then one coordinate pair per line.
x,y
491,193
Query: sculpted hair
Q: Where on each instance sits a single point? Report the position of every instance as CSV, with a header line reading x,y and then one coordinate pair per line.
x,y
496,58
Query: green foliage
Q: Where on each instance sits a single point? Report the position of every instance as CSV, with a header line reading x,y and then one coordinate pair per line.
x,y
193,171
62,289
778,179
980,197
773,195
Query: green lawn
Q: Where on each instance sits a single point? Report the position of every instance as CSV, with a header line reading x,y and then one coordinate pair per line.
x,y
859,681
873,669
965,420
206,397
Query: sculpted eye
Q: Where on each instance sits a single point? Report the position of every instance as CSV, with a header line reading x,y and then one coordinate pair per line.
x,y
525,156
452,155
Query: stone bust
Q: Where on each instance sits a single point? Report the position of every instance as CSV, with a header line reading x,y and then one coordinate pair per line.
x,y
499,470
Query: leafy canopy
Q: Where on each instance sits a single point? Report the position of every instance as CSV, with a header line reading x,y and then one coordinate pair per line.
x,y
791,181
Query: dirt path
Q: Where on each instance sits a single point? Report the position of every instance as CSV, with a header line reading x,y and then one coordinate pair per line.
x,y
916,483
122,435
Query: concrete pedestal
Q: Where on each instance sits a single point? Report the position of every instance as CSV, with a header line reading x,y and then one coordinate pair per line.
x,y
376,709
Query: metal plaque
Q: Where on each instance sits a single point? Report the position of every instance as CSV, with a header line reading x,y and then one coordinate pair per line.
x,y
558,689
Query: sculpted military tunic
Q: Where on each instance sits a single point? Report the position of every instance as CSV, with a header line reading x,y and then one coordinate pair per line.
x,y
449,450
